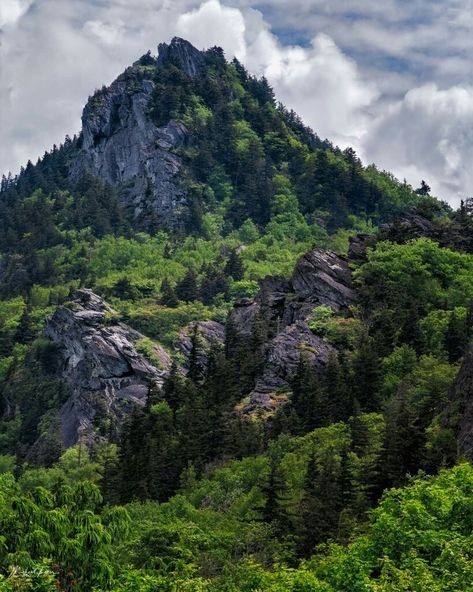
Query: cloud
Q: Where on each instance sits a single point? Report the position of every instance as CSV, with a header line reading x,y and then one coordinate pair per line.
x,y
215,24
368,74
320,83
428,135
12,10
105,32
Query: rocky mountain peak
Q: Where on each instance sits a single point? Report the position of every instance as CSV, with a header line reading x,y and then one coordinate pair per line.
x,y
181,53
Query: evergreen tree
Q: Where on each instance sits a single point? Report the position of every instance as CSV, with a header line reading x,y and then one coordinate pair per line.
x,y
366,375
339,403
402,441
187,290
234,266
320,507
309,399
456,337
273,490
173,387
168,295
424,189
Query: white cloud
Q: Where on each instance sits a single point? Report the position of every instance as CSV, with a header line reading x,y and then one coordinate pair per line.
x,y
12,10
107,33
215,24
320,83
428,135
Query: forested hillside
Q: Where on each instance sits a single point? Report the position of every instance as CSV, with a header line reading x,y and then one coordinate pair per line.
x,y
232,357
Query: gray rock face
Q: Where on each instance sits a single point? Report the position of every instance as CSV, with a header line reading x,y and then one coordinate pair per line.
x,y
181,53
209,333
106,375
323,277
123,147
461,406
282,356
320,277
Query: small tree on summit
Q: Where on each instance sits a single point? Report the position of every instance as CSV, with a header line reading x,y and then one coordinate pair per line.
x,y
424,189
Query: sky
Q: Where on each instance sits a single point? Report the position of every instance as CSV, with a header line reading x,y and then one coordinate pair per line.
x,y
391,78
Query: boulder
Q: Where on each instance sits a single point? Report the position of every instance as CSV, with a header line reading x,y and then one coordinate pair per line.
x,y
282,356
320,278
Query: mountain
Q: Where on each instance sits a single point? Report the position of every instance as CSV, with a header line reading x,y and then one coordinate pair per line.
x,y
223,342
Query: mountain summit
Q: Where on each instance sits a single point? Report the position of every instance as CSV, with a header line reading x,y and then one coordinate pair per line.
x,y
181,54
186,134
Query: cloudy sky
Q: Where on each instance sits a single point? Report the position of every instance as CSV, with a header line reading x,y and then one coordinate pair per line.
x,y
392,78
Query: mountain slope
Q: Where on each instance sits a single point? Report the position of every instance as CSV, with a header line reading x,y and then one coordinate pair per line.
x,y
206,309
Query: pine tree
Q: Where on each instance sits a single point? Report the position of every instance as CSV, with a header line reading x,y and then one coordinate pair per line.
x,y
366,375
309,399
338,398
173,387
273,490
321,504
133,459
424,189
187,290
168,295
402,441
234,266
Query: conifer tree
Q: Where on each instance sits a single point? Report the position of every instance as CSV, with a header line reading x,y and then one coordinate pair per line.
x,y
187,290
173,387
365,375
274,509
309,399
321,503
403,440
168,295
234,266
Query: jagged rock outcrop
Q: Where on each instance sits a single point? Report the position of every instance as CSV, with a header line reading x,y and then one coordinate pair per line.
x,y
460,408
181,53
323,277
320,278
99,361
123,147
208,334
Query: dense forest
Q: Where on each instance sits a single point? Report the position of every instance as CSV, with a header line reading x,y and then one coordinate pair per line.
x,y
354,477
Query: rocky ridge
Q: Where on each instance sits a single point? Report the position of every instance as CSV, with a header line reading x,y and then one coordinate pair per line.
x,y
99,357
460,407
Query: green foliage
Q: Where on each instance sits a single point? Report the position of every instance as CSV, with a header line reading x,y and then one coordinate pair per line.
x,y
63,528
238,502
319,317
